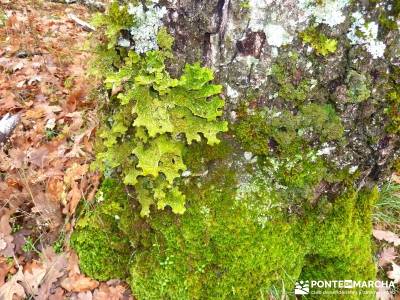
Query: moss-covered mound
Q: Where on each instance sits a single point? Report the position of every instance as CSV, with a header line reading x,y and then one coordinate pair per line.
x,y
225,246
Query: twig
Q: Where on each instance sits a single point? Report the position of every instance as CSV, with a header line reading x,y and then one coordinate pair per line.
x,y
85,25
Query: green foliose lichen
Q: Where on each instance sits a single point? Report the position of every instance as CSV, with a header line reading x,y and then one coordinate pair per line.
x,y
319,41
153,118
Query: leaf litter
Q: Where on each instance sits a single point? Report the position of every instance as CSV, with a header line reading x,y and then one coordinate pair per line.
x,y
44,161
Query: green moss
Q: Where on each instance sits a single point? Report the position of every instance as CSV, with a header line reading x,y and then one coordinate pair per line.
x,y
230,248
292,132
104,250
342,246
288,90
319,41
198,156
250,228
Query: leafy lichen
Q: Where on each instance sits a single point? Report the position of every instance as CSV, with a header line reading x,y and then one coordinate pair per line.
x,y
319,41
154,117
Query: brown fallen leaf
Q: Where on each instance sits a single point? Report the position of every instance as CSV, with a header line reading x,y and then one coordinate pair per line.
x,y
395,273
4,269
54,189
388,236
105,292
387,256
57,295
33,276
383,293
79,283
73,263
396,178
75,172
75,98
74,196
6,239
39,156
55,265
13,287
83,296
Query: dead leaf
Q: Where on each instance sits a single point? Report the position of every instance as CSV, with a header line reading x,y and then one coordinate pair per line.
x,y
13,287
83,296
395,273
39,156
73,263
105,292
6,239
55,265
395,178
79,283
75,172
388,236
75,98
383,293
387,256
33,277
54,189
58,294
74,196
4,269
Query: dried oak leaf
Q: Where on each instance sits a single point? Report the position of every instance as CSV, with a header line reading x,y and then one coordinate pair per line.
x,y
79,283
4,269
33,276
75,172
395,273
13,287
55,265
383,293
74,196
388,236
82,296
6,239
105,292
387,256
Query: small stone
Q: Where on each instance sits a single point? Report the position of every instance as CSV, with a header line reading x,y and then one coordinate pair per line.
x,y
248,155
186,173
51,124
353,169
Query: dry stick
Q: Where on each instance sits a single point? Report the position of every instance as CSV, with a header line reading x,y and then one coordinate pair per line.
x,y
85,25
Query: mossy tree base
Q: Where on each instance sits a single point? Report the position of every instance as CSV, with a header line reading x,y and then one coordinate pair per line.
x,y
224,247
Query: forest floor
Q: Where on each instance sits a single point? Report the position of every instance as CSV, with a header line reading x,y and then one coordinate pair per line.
x,y
44,166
